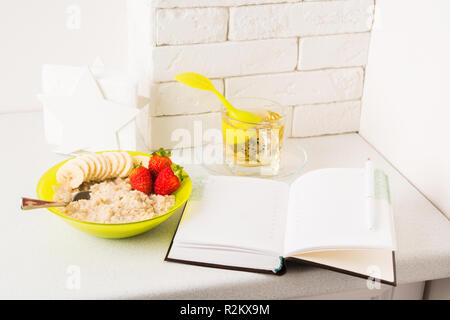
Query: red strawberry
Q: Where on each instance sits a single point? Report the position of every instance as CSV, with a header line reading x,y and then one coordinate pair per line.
x,y
141,179
159,160
168,180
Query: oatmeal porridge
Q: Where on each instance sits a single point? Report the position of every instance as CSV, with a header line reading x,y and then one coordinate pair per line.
x,y
113,201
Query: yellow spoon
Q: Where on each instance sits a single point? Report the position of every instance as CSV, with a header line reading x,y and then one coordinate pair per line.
x,y
198,81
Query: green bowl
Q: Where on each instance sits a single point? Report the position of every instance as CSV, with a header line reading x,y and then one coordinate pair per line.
x,y
45,191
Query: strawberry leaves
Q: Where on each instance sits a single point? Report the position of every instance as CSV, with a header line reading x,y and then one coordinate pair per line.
x,y
162,152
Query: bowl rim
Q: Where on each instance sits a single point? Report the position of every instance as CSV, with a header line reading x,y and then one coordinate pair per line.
x,y
186,179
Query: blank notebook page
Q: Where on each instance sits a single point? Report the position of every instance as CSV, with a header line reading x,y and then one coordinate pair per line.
x,y
236,212
327,211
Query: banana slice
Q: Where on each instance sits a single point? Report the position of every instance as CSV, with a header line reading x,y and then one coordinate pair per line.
x,y
61,173
116,162
113,163
144,160
97,167
128,164
75,176
120,163
94,164
90,165
84,166
70,173
109,165
103,169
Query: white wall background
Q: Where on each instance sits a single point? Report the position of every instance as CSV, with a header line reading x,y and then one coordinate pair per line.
x,y
406,101
308,55
50,31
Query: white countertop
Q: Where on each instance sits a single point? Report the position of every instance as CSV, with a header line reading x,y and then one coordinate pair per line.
x,y
37,247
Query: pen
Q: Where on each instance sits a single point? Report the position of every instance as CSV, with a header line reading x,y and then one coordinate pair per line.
x,y
369,190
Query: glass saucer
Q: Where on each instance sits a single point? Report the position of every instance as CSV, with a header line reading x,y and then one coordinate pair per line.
x,y
293,160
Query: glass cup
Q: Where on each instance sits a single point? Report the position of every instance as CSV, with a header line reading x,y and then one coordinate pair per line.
x,y
254,148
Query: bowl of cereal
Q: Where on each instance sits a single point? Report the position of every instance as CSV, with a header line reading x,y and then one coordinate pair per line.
x,y
118,206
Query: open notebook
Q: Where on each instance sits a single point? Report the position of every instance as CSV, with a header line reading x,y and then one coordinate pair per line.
x,y
321,218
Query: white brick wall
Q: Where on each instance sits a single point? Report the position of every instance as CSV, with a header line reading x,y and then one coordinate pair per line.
x,y
181,131
197,25
307,55
211,3
225,59
334,51
300,19
174,98
329,118
300,87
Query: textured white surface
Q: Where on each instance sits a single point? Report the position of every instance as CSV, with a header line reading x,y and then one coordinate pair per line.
x,y
304,36
300,19
225,59
38,248
346,50
288,127
405,111
311,120
196,25
300,87
210,3
171,98
182,131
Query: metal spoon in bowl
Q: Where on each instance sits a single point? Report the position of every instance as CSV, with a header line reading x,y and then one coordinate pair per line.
x,y
29,204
